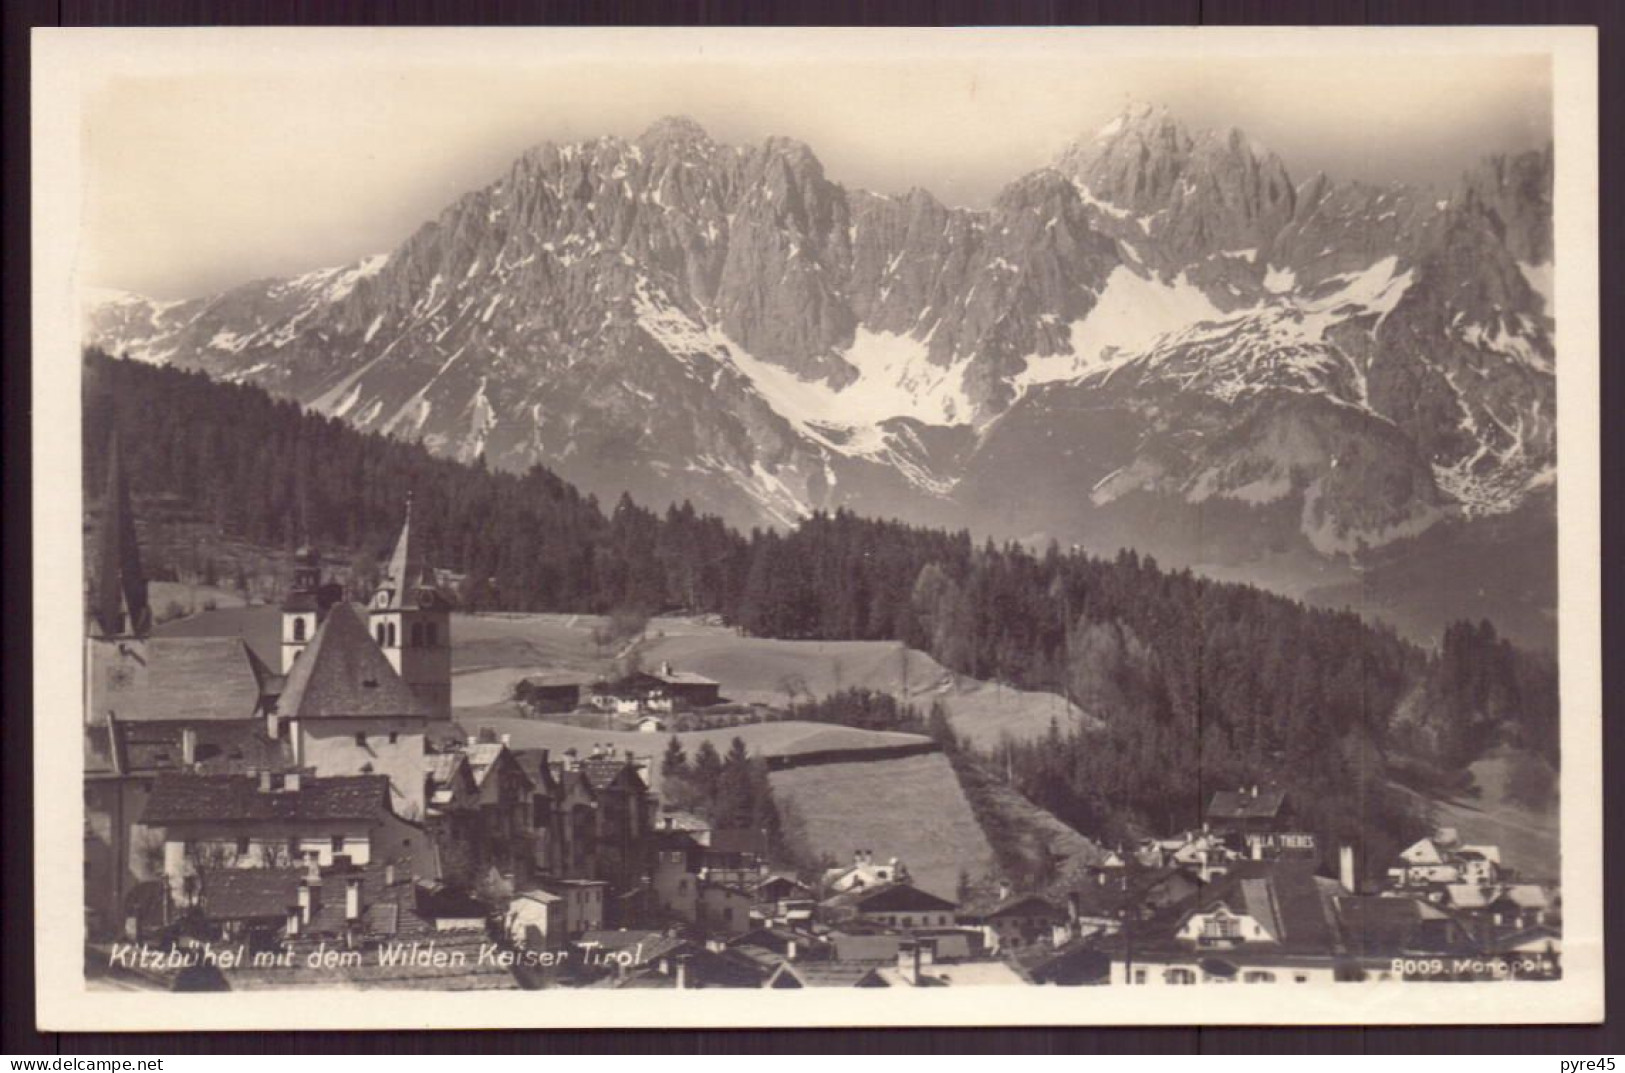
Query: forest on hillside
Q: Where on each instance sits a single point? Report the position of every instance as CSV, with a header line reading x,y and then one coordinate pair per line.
x,y
1199,684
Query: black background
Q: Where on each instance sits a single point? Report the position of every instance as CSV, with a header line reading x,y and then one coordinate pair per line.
x,y
17,1034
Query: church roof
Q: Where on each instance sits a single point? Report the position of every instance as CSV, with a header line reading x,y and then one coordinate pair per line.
x,y
344,674
175,678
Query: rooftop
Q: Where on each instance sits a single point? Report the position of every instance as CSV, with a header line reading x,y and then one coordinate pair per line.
x,y
237,798
175,678
344,674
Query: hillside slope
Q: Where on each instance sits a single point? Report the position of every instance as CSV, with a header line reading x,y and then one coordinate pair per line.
x,y
912,809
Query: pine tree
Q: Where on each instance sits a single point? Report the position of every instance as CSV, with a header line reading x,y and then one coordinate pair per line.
x,y
674,764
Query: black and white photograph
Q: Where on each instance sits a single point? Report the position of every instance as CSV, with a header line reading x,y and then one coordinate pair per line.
x,y
1039,516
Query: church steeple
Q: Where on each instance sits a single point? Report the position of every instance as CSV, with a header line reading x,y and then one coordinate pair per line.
x,y
118,600
404,571
411,622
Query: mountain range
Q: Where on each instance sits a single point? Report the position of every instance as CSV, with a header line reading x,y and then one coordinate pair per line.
x,y
1162,340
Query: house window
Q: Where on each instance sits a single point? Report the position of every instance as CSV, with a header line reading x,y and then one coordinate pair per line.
x,y
391,634
1258,976
1300,977
1139,976
242,847
417,635
298,629
338,843
381,635
1179,976
361,738
394,737
431,634
1221,928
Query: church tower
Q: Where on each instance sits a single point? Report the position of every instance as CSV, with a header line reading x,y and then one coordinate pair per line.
x,y
411,622
306,605
117,600
117,615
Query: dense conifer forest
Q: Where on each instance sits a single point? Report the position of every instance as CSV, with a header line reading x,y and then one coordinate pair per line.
x,y
1195,684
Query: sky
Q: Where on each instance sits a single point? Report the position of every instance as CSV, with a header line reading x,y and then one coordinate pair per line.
x,y
208,162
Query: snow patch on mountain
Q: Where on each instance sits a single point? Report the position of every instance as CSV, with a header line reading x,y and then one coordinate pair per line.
x,y
1133,311
1539,278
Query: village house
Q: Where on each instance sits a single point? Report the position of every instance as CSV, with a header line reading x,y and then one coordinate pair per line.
x,y
894,905
1258,824
1279,922
579,908
1015,921
277,821
723,909
864,871
506,806
546,826
657,693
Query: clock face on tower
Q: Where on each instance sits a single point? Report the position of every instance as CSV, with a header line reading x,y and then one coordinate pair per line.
x,y
382,599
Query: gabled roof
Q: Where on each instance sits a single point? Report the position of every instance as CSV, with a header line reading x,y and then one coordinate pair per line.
x,y
175,678
1286,897
237,798
1024,905
1469,895
603,772
891,898
1245,805
825,974
1525,896
220,747
538,769
344,674
1374,926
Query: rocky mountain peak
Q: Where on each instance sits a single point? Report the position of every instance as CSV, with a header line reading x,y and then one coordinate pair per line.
x,y
673,129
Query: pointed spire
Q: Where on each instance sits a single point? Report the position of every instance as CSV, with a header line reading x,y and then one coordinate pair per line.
x,y
404,571
119,599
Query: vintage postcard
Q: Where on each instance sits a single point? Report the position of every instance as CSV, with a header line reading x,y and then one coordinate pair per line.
x,y
671,527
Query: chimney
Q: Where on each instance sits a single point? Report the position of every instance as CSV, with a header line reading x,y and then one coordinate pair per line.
x,y
665,668
389,874
1345,868
309,900
908,961
291,781
790,950
507,740
294,916
473,740
1004,890
1072,903
265,780
682,971
188,746
352,898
